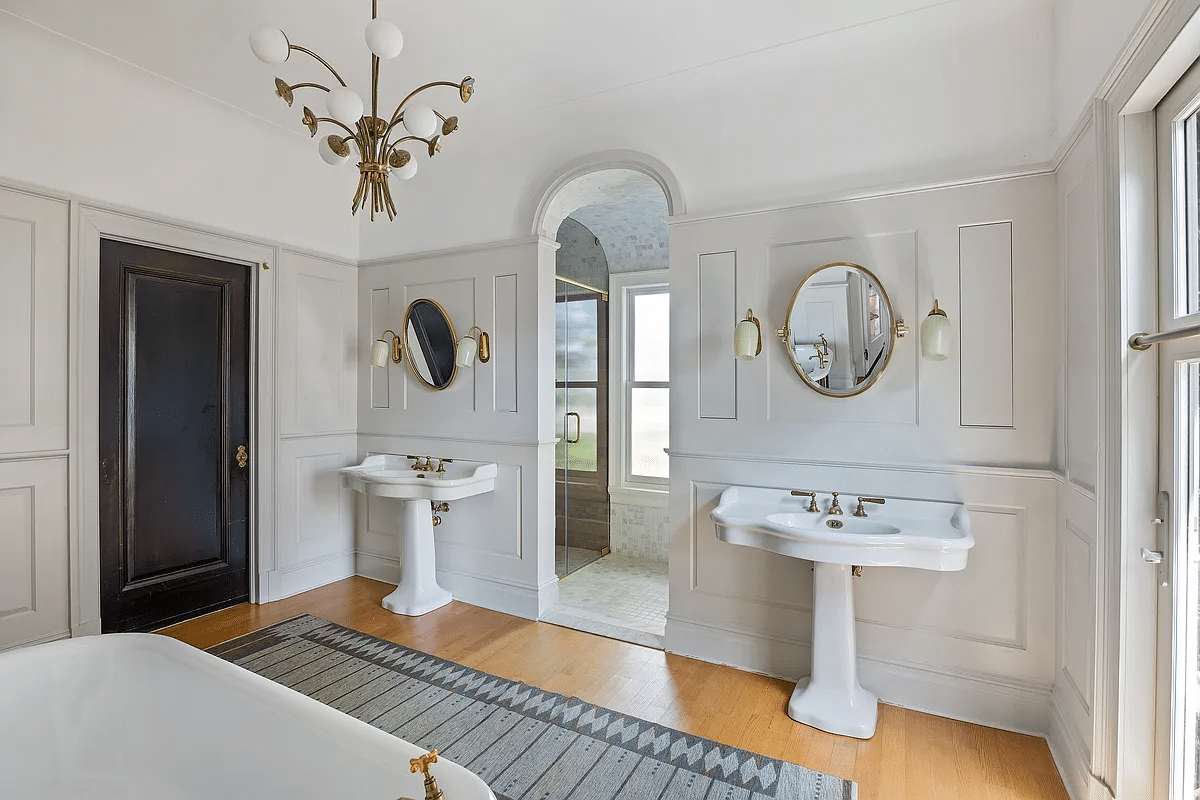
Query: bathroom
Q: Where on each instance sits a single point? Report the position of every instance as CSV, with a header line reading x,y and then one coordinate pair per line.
x,y
997,210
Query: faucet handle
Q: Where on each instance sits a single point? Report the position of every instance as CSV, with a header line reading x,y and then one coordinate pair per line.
x,y
860,511
812,504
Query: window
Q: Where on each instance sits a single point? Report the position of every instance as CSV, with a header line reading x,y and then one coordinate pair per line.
x,y
641,386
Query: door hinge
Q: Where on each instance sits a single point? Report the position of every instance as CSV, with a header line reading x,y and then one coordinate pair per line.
x,y
243,455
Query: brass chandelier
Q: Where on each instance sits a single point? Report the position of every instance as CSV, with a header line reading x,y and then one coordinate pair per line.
x,y
379,155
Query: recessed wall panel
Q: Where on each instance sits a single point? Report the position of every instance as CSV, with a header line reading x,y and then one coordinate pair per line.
x,y
1077,636
1082,305
986,346
16,322
717,278
34,575
17,564
34,328
381,321
320,352
504,339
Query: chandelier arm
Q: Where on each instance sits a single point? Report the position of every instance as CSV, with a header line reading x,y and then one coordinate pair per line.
x,y
374,85
296,86
388,148
306,51
417,91
353,135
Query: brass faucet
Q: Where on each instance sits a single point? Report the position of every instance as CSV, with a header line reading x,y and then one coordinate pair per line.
x,y
417,465
442,462
812,502
432,792
860,511
835,508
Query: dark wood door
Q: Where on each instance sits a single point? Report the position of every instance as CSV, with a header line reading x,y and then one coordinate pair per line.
x,y
174,400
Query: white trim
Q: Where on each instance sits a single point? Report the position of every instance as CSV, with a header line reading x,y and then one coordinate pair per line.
x,y
90,223
599,162
833,198
1071,758
500,244
997,701
278,584
640,497
937,469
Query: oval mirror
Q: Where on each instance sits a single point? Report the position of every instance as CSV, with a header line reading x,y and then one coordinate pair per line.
x,y
840,329
429,342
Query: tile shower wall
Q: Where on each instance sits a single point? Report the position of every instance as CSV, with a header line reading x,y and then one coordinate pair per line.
x,y
639,531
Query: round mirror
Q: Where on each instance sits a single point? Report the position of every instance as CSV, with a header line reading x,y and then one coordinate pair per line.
x,y
840,329
429,342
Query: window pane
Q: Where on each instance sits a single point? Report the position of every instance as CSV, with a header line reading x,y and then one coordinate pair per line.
x,y
648,432
1187,277
579,455
576,340
651,336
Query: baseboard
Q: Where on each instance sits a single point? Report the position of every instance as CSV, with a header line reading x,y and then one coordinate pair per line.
x,y
1071,758
281,583
89,628
54,637
996,701
508,598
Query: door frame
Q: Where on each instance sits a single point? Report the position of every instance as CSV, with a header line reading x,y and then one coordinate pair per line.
x,y
92,223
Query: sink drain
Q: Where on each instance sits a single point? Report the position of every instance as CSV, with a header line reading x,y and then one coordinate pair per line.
x,y
835,523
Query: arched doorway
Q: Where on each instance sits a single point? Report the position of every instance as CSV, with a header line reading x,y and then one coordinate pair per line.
x,y
611,392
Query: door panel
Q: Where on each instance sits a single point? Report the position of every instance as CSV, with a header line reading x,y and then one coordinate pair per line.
x,y
174,364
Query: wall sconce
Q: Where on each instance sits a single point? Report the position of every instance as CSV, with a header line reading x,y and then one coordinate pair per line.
x,y
936,334
468,346
747,338
380,348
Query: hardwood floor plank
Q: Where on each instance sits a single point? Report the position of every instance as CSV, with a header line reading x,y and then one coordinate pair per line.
x,y
913,756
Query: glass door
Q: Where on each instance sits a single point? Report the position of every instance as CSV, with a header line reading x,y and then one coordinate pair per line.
x,y
581,426
1177,551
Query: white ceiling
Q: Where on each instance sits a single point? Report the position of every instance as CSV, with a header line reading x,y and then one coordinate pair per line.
x,y
527,55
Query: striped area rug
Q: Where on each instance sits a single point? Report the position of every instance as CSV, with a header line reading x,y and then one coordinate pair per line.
x,y
525,742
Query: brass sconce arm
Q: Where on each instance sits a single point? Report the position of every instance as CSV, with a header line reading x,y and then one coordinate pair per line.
x,y
397,351
485,344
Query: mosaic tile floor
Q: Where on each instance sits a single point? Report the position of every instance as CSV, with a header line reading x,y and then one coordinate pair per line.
x,y
579,558
616,596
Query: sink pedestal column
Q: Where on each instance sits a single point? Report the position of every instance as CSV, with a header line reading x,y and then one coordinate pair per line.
x,y
418,591
831,698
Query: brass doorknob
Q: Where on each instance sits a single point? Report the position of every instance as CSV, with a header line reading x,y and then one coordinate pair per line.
x,y
243,455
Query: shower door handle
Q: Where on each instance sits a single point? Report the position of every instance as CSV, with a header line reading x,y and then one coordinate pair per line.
x,y
567,427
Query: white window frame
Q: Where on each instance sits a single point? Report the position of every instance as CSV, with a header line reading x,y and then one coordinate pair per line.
x,y
625,487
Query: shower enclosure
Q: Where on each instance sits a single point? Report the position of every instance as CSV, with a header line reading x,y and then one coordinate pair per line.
x,y
581,533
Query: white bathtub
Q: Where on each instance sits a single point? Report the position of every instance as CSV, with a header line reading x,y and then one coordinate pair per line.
x,y
144,716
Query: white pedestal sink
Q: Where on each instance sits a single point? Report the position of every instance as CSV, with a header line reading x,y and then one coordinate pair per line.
x,y
393,476
925,534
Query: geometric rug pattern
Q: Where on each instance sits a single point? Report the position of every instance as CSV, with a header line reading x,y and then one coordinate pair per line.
x,y
526,743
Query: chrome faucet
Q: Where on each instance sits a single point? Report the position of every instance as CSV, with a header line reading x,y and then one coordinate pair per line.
x,y
835,508
812,503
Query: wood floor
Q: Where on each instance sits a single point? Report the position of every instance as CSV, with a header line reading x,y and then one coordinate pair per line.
x,y
912,755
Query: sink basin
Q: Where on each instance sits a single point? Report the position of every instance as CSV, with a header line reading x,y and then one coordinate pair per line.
x,y
925,534
393,476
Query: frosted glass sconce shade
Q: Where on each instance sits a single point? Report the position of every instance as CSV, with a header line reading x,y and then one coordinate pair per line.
x,y
469,346
379,350
747,338
269,44
936,335
344,105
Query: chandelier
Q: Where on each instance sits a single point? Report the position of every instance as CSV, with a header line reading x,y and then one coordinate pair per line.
x,y
379,153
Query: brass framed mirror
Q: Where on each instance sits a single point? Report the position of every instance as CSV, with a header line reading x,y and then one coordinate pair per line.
x,y
840,329
429,341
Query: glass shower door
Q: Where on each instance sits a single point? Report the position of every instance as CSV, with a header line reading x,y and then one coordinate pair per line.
x,y
580,399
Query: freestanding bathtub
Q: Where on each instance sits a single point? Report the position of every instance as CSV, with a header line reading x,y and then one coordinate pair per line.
x,y
144,716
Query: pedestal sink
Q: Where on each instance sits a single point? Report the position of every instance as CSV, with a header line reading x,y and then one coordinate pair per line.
x,y
393,476
924,534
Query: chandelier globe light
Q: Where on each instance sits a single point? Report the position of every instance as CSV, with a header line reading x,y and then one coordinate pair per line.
x,y
377,139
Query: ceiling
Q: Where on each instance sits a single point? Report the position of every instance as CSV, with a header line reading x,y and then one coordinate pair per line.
x,y
527,56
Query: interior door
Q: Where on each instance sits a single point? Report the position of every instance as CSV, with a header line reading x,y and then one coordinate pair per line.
x,y
174,435
1177,756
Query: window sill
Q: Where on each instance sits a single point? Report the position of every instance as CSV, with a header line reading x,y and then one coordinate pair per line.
x,y
655,498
